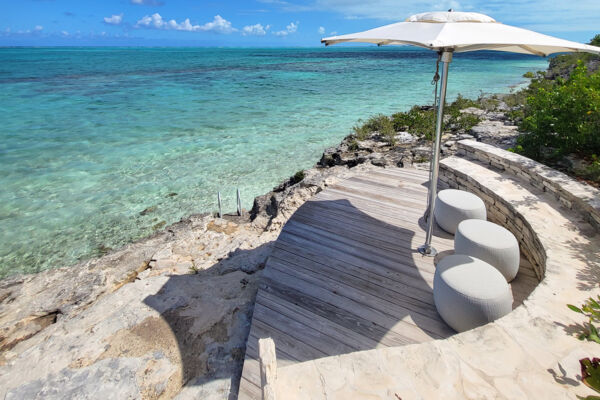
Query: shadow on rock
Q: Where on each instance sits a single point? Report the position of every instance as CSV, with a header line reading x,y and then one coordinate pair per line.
x,y
208,315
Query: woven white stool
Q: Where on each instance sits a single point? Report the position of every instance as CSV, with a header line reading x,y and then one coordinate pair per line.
x,y
489,242
454,206
469,292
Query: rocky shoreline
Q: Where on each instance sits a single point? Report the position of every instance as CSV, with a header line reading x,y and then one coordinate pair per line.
x,y
168,316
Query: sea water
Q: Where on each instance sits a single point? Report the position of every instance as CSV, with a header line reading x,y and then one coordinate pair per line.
x,y
92,137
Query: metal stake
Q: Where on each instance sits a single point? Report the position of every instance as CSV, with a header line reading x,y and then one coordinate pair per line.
x,y
219,202
239,203
427,249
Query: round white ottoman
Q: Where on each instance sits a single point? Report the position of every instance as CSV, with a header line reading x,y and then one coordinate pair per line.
x,y
454,206
489,242
469,292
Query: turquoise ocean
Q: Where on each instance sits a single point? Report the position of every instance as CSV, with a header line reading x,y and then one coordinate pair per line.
x,y
91,137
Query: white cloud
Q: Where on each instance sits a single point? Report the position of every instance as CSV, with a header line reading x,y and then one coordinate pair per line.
x,y
115,19
255,30
38,28
147,2
219,25
291,28
156,21
541,15
64,33
321,30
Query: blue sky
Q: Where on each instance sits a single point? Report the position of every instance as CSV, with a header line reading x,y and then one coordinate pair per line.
x,y
259,22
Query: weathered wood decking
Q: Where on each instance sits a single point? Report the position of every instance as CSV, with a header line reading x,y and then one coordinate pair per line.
x,y
345,275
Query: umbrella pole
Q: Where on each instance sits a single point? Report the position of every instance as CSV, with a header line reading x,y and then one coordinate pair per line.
x,y
427,249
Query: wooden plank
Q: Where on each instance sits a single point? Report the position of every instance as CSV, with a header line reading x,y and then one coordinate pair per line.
x,y
418,300
389,282
248,390
390,315
398,247
250,382
288,346
323,325
367,322
376,197
394,306
404,174
408,192
420,178
388,237
283,358
391,185
362,260
405,262
392,218
400,212
301,332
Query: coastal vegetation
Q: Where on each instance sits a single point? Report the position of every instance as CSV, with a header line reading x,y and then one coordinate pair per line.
x,y
590,368
591,310
558,115
419,121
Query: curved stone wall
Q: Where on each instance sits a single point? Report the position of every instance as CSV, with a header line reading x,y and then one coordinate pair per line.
x,y
570,193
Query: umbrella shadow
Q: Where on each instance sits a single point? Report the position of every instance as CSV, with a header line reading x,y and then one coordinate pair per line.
x,y
204,322
340,280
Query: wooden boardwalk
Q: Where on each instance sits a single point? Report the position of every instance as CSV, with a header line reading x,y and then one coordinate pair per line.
x,y
345,275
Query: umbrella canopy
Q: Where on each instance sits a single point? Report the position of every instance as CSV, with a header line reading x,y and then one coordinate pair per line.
x,y
455,32
463,31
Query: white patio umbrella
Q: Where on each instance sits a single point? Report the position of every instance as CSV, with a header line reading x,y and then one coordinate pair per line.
x,y
456,32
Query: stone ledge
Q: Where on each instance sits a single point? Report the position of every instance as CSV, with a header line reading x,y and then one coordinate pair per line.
x,y
458,173
529,353
569,192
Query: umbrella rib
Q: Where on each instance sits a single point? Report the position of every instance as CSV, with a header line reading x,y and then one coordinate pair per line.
x,y
532,50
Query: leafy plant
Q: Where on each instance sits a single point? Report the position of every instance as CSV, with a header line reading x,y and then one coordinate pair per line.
x,y
353,145
591,310
591,171
417,121
590,375
361,131
562,116
298,176
462,102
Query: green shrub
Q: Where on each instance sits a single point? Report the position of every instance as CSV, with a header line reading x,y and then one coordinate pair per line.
x,y
379,123
488,103
416,121
361,132
591,171
353,145
591,310
590,375
462,102
298,176
562,116
529,74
